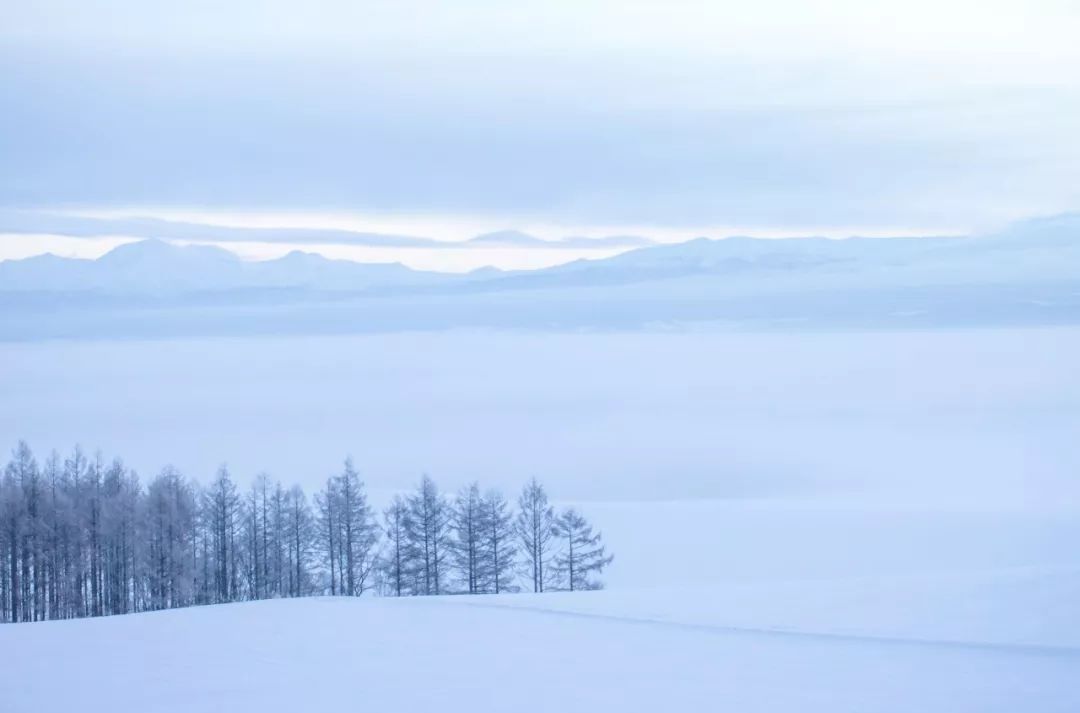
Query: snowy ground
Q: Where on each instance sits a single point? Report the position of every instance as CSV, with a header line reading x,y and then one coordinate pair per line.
x,y
619,651
753,606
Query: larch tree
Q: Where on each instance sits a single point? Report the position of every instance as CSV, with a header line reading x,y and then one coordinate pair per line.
x,y
171,522
359,532
582,556
278,540
467,526
252,541
328,521
18,478
535,528
262,505
301,534
222,504
498,550
395,558
84,537
76,467
428,527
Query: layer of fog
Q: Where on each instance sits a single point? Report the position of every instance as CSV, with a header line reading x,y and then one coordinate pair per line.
x,y
972,417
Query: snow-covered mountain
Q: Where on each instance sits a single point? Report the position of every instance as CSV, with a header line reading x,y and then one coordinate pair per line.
x,y
155,266
1043,250
1048,231
1026,274
1033,251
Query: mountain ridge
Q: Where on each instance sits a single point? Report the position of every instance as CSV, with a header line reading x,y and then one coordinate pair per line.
x,y
1033,250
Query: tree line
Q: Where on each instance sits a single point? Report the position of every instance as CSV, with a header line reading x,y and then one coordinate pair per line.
x,y
83,537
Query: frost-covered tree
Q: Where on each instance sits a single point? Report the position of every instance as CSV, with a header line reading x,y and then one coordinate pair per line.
x,y
582,557
33,501
359,532
300,537
222,505
84,537
396,563
428,535
120,494
53,529
328,522
75,469
251,536
92,513
16,524
498,551
278,539
535,528
467,527
170,518
262,489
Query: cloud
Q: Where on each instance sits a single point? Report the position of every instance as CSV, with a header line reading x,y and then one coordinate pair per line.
x,y
677,114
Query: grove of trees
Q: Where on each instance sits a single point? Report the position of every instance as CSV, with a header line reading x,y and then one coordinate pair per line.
x,y
80,537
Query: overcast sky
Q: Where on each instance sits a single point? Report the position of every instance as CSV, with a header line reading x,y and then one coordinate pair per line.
x,y
671,118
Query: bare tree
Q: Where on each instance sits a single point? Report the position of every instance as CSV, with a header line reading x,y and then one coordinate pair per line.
x,y
170,517
359,532
498,551
81,537
535,527
222,505
396,563
326,505
467,526
428,534
19,478
583,552
301,531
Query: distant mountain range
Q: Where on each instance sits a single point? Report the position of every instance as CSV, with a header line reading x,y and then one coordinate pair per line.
x,y
155,266
1029,273
1036,250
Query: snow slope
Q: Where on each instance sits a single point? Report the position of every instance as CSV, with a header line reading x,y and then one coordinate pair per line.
x,y
580,652
864,608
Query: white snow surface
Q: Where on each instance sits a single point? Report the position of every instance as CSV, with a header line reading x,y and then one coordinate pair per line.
x,y
742,605
790,647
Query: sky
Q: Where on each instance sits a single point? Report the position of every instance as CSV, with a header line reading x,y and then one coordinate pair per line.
x,y
671,120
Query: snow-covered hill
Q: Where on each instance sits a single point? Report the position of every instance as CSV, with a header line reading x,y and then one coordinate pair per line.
x,y
744,605
658,650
